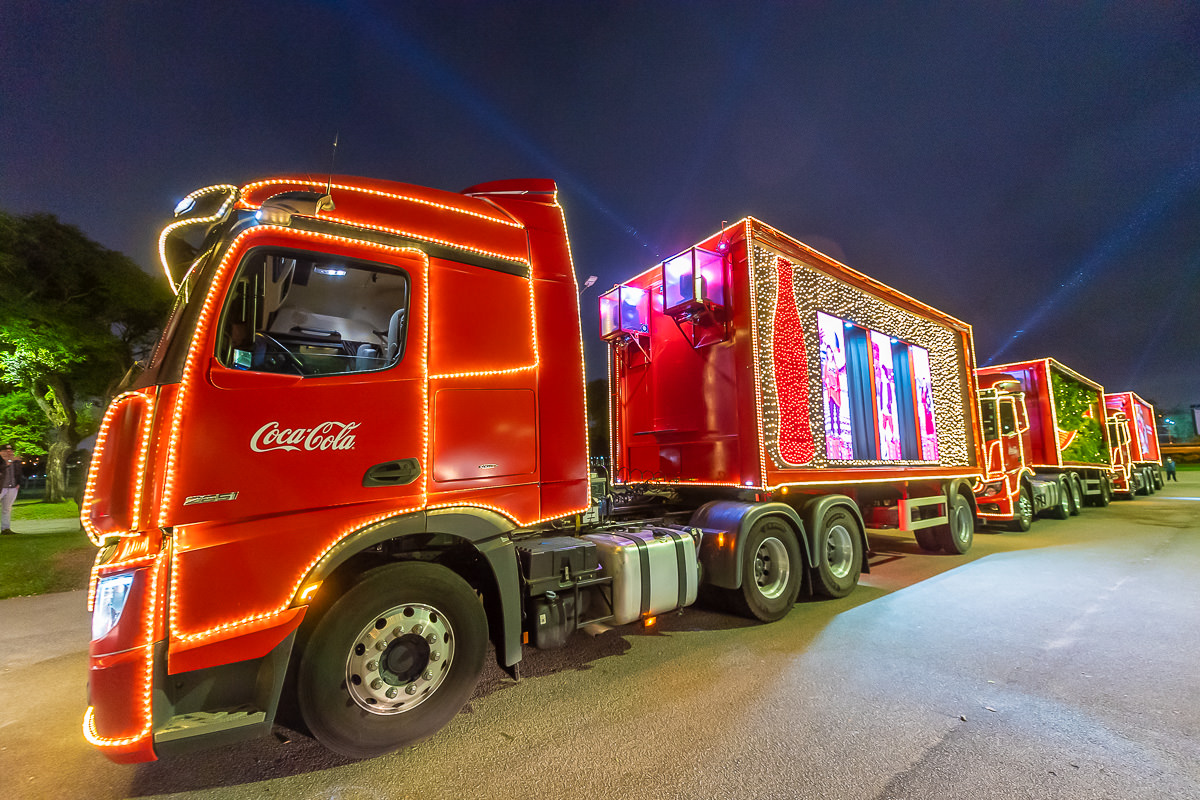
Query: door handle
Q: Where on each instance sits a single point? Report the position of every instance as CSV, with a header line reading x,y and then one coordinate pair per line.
x,y
393,473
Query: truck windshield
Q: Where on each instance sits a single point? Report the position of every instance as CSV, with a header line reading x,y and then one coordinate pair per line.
x,y
311,314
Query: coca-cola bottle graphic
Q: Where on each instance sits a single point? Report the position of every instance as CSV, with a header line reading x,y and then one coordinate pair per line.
x,y
796,444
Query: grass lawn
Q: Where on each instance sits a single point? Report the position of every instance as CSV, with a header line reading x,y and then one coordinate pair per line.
x,y
37,563
44,562
33,508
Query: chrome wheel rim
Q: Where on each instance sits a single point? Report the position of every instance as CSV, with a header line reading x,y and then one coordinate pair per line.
x,y
400,659
772,568
1025,505
962,524
839,548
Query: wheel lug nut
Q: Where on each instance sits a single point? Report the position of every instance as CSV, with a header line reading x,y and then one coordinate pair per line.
x,y
436,655
418,628
377,684
372,666
381,646
397,631
392,692
431,638
411,688
428,675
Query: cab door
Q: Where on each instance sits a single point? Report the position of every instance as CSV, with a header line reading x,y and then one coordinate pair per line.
x,y
309,389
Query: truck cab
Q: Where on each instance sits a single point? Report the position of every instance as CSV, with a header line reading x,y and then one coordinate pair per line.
x,y
1011,492
354,371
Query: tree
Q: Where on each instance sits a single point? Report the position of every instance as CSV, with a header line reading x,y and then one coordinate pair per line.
x,y
74,318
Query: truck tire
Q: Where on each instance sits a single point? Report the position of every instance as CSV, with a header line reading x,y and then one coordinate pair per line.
x,y
1148,480
1075,488
771,571
927,540
956,536
1062,509
839,554
393,660
1106,492
1024,518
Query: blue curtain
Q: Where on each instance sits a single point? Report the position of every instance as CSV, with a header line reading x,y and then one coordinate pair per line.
x,y
862,408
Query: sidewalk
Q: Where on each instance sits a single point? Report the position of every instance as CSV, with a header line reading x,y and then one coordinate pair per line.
x,y
63,525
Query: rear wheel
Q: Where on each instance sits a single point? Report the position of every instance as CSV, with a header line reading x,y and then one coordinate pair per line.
x,y
927,540
393,660
771,571
1063,509
1075,491
839,554
1106,492
1024,518
956,536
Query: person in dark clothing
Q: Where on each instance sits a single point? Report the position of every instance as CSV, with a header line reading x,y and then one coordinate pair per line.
x,y
11,479
1171,470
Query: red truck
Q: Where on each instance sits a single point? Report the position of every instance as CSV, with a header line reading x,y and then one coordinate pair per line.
x,y
358,454
1046,442
1137,462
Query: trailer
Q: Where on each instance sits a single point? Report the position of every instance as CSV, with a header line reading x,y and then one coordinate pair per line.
x,y
358,454
1063,435
754,362
1137,461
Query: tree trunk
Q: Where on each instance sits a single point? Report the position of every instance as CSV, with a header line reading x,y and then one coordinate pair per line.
x,y
56,460
57,402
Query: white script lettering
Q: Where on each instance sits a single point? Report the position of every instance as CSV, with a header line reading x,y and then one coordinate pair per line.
x,y
326,436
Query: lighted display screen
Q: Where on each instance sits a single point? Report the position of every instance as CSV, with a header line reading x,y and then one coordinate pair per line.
x,y
1145,431
886,422
877,395
836,393
923,384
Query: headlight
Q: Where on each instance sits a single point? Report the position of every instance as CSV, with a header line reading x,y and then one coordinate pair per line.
x,y
111,593
992,489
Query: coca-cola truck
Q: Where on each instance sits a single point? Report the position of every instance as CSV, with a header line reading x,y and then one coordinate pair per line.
x,y
358,455
1047,442
1010,491
1137,462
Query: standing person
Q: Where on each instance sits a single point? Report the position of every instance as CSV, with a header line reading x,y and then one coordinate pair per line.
x,y
11,479
1171,470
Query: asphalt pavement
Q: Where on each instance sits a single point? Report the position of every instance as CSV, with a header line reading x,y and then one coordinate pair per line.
x,y
1057,663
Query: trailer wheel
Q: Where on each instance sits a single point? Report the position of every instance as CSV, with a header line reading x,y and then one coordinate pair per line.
x,y
1158,477
771,567
393,660
927,540
1024,518
957,535
839,554
1063,509
1075,490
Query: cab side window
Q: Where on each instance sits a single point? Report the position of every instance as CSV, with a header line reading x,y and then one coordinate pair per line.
x,y
307,314
1008,419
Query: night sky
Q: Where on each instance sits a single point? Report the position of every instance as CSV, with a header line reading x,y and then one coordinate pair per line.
x,y
1030,168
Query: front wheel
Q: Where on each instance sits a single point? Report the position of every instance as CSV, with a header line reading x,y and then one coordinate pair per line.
x,y
1024,518
771,573
393,660
958,533
839,554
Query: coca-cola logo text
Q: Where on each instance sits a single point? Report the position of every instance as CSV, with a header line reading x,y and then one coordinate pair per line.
x,y
326,436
